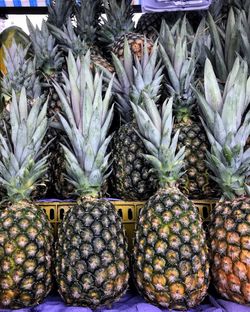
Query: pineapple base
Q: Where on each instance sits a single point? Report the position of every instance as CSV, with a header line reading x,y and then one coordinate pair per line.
x,y
230,245
171,265
26,243
91,255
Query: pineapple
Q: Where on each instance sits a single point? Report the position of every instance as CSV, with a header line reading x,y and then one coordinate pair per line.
x,y
87,27
50,61
78,40
180,65
91,253
225,44
26,238
117,25
149,24
59,12
68,39
131,176
228,131
21,72
171,267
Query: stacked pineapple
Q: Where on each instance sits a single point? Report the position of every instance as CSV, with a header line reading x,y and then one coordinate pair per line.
x,y
170,256
26,238
132,176
151,155
91,253
21,71
118,25
227,124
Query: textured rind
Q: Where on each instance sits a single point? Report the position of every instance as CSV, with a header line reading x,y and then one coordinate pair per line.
x,y
26,252
91,255
195,183
171,265
135,41
230,247
131,177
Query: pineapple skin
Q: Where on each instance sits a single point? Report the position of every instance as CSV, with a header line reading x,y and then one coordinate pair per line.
x,y
195,182
171,265
136,42
26,245
91,258
230,249
131,177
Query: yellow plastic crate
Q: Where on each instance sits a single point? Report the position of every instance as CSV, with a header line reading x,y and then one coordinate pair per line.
x,y
51,211
128,210
205,208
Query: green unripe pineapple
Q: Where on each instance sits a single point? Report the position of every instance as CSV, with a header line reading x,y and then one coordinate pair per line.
x,y
91,253
26,238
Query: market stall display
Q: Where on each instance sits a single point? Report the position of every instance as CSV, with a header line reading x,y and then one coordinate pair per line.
x,y
129,110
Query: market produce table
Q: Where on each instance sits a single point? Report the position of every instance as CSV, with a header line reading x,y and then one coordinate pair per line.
x,y
133,303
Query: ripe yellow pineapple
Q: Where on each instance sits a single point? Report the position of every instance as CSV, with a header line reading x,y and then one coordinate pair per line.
x,y
170,264
223,112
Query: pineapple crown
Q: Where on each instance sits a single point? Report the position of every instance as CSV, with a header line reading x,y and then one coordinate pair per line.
x,y
68,39
59,12
118,21
21,71
21,164
226,44
87,18
227,129
49,59
155,130
202,43
179,61
240,4
134,76
86,121
244,32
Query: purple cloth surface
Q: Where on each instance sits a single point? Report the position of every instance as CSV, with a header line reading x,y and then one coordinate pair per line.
x,y
171,5
133,303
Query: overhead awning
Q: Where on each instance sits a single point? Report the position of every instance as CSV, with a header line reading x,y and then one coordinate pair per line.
x,y
24,3
37,6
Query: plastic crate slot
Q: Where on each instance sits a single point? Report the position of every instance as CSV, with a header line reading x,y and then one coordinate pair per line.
x,y
52,214
61,213
120,213
205,212
130,214
44,210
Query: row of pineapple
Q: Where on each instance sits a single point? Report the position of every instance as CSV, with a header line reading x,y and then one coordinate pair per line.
x,y
132,177
153,156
